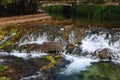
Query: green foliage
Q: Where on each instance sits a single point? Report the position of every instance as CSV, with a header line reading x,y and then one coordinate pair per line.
x,y
107,12
5,2
18,7
3,68
104,12
51,9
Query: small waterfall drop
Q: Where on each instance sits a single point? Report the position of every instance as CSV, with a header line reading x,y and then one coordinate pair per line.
x,y
95,42
30,39
72,37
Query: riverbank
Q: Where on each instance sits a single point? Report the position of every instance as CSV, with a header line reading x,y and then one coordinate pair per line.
x,y
24,18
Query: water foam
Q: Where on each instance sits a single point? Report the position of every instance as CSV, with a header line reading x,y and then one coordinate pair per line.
x,y
77,64
28,55
24,55
34,77
1,60
94,43
99,42
31,39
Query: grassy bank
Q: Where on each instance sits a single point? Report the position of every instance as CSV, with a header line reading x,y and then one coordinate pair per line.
x,y
103,12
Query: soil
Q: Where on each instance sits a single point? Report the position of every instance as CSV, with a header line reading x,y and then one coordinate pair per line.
x,y
23,18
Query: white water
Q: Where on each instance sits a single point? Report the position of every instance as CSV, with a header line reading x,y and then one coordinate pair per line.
x,y
77,64
90,44
94,43
27,55
24,55
34,77
30,39
72,37
1,60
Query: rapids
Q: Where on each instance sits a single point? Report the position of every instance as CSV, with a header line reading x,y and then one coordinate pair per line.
x,y
93,41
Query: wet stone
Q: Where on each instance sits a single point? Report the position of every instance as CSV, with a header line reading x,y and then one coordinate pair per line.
x,y
47,47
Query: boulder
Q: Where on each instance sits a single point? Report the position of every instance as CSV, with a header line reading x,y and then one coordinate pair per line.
x,y
51,47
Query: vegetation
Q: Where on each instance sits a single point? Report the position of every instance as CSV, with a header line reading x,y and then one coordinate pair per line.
x,y
51,59
3,68
3,78
17,7
99,12
6,32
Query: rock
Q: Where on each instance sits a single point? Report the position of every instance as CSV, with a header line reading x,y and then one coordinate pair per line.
x,y
104,54
57,56
69,27
51,47
47,47
70,47
73,49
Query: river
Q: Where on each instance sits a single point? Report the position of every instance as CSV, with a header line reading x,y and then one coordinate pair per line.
x,y
81,61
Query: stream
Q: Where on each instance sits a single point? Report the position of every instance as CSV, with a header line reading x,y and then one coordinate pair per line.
x,y
94,54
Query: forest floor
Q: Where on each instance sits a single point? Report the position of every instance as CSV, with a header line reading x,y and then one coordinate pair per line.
x,y
23,18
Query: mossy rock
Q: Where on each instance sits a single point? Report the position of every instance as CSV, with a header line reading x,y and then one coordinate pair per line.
x,y
70,47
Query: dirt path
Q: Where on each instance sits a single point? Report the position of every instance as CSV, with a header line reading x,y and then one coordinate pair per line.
x,y
24,18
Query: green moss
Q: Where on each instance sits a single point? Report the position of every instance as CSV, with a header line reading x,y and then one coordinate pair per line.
x,y
102,71
3,78
6,44
5,31
13,31
51,59
3,68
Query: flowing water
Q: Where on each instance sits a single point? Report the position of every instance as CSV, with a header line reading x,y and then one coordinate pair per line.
x,y
83,65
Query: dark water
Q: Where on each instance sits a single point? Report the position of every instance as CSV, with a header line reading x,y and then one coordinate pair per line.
x,y
80,21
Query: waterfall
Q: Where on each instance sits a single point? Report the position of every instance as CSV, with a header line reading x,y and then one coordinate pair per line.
x,y
95,40
72,37
30,39
101,40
